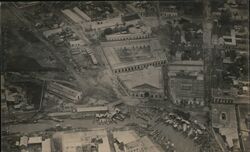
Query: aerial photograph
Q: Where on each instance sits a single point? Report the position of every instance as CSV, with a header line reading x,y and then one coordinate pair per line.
x,y
125,76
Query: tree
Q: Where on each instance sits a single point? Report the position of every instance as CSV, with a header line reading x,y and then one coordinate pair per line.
x,y
108,31
225,18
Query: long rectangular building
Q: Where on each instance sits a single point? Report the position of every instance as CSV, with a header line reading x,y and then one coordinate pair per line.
x,y
74,17
134,55
82,14
186,81
64,92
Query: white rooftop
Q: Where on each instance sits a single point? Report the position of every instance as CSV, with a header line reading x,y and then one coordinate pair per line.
x,y
46,145
35,140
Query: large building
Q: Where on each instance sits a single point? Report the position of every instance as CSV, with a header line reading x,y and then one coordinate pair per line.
x,y
72,16
169,11
51,32
224,120
224,96
76,43
82,14
129,141
186,82
133,55
143,144
133,33
147,83
96,140
46,145
188,88
131,19
236,40
107,23
64,92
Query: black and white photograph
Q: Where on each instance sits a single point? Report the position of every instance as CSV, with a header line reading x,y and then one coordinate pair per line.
x,y
125,76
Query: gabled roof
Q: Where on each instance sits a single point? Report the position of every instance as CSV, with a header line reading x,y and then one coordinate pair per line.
x,y
150,77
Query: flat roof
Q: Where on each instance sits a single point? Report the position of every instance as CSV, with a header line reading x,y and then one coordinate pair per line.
x,y
226,93
230,121
186,66
125,136
35,140
52,31
91,109
71,140
2,81
81,42
227,127
106,23
24,141
46,145
151,76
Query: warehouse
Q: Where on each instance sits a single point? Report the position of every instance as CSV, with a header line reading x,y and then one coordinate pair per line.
x,y
64,92
147,83
82,14
134,55
71,15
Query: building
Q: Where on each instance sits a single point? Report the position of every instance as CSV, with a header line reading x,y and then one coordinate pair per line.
x,y
244,121
82,14
131,19
22,5
72,16
64,92
107,23
46,145
236,40
75,43
4,107
144,144
94,140
24,141
122,138
133,55
189,66
139,10
2,84
91,110
34,140
225,123
187,88
224,96
51,32
93,58
169,11
134,33
147,83
186,82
